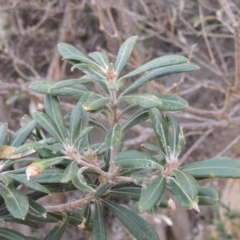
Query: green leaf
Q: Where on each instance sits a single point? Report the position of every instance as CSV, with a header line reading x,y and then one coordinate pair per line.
x,y
71,53
79,139
124,53
20,221
137,118
57,232
36,209
41,86
96,124
6,178
152,194
101,190
53,175
75,91
9,234
221,167
137,226
207,196
114,85
48,125
157,63
72,83
92,102
135,159
86,213
173,133
183,197
172,102
151,147
99,229
160,72
29,148
143,100
80,183
89,70
15,201
100,58
3,133
70,172
187,182
53,110
132,193
21,178
22,134
113,136
75,121
159,125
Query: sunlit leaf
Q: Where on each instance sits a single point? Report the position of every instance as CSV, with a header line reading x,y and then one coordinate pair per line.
x,y
101,58
159,125
70,172
143,100
124,53
172,102
157,63
160,72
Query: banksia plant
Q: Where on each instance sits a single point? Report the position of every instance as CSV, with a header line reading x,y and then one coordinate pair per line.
x,y
59,153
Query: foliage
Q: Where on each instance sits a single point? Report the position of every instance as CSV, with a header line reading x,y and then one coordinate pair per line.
x,y
67,159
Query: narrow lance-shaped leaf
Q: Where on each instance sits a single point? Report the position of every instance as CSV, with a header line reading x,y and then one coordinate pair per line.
x,y
207,196
99,229
135,159
132,193
71,53
75,121
143,100
70,172
74,91
29,183
96,124
187,182
100,58
152,194
160,72
15,201
221,167
160,127
152,147
53,110
48,125
22,134
25,222
183,197
36,209
113,137
173,133
3,133
172,102
58,231
51,175
136,225
157,63
80,182
137,118
9,234
124,53
101,190
41,86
